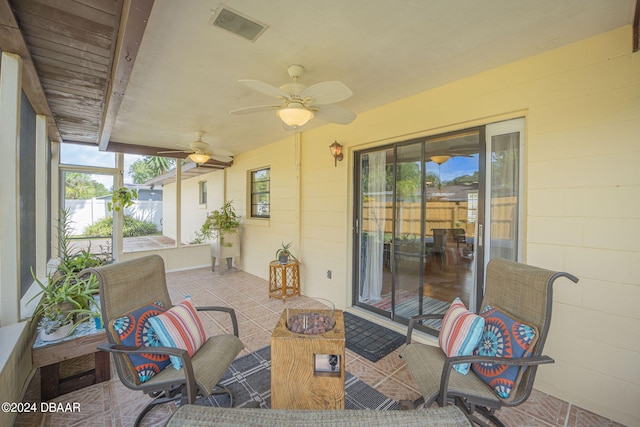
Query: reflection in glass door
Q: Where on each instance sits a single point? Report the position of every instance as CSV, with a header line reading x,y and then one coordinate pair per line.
x,y
452,164
505,141
423,207
374,230
408,246
416,224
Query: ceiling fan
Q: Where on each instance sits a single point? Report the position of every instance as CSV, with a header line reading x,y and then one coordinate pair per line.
x,y
200,151
300,103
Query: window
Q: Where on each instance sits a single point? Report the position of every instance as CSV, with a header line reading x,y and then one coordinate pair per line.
x,y
27,193
261,193
202,192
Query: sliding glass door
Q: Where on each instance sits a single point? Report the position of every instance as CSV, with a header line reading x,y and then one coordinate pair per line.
x,y
375,225
506,186
421,212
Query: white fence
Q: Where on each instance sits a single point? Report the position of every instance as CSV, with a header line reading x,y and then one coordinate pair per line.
x,y
83,213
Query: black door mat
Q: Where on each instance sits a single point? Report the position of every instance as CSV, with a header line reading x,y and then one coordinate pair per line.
x,y
368,339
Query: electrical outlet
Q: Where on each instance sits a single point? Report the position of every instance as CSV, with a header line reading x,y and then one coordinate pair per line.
x,y
328,274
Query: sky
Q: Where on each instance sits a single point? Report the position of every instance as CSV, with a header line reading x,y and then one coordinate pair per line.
x,y
76,154
454,167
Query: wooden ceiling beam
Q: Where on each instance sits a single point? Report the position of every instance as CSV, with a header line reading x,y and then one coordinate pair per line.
x,y
12,41
132,27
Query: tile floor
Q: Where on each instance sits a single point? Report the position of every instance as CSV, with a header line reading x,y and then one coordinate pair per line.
x,y
111,404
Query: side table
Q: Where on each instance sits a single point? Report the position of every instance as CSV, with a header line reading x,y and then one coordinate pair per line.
x,y
284,279
298,378
48,355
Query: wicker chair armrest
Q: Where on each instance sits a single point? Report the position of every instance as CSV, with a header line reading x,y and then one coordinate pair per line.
x,y
232,314
187,366
456,360
416,319
515,361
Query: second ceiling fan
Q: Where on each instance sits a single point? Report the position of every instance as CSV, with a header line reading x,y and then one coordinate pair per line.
x,y
200,152
300,103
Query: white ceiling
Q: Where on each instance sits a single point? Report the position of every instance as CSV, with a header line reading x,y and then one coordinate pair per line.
x,y
186,74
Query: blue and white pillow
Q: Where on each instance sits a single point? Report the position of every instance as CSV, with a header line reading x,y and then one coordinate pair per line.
x,y
503,336
134,330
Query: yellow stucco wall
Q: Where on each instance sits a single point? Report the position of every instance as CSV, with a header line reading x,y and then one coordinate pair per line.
x,y
582,107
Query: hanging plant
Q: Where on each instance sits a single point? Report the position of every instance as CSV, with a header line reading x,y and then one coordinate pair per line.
x,y
122,198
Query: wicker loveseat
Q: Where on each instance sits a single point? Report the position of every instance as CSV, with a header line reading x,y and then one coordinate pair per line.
x,y
201,416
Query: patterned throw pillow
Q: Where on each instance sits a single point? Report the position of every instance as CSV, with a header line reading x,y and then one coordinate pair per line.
x,y
180,327
460,332
134,330
503,336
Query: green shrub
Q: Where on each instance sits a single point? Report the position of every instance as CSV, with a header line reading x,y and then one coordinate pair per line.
x,y
132,227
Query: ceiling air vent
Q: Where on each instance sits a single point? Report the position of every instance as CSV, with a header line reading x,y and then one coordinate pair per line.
x,y
238,23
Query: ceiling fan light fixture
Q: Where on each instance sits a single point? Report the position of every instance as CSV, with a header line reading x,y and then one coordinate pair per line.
x,y
295,114
440,159
199,158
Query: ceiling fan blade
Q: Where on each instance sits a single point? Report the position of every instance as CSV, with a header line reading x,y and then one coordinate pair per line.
x,y
224,159
327,92
221,152
265,88
335,114
175,151
255,109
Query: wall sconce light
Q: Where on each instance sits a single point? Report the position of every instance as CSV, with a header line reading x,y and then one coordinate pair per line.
x,y
336,152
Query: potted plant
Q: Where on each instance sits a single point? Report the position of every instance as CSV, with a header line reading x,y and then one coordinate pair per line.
x,y
220,222
63,299
221,227
284,253
122,198
71,261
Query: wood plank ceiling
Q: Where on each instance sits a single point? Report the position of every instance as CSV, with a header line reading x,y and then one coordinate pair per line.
x,y
77,64
72,45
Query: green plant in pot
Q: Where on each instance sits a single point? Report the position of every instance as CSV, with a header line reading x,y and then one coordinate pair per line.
x,y
218,223
76,261
283,253
65,302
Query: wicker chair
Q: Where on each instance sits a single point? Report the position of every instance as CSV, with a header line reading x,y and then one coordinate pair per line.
x,y
521,290
129,285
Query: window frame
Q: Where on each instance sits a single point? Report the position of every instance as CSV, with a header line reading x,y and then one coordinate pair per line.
x,y
253,193
202,193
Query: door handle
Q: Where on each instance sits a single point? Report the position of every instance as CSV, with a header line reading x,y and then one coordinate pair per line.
x,y
480,234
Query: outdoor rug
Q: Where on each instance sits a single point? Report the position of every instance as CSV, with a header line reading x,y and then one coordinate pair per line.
x,y
369,339
249,379
409,308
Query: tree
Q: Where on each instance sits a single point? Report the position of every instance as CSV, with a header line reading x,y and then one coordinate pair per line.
x,y
148,167
408,178
464,179
80,186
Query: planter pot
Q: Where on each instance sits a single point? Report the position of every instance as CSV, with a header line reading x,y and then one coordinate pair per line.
x,y
283,259
58,334
220,250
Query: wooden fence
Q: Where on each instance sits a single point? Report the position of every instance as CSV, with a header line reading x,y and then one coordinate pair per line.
x,y
440,214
